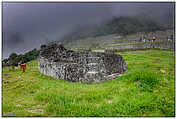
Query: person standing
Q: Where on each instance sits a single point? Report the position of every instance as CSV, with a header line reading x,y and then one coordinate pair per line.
x,y
153,38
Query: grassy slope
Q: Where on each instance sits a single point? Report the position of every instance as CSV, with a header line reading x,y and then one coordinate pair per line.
x,y
135,93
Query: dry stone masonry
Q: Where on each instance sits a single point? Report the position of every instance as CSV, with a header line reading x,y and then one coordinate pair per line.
x,y
165,45
86,66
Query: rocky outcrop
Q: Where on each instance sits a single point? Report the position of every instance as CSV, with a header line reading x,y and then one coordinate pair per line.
x,y
86,66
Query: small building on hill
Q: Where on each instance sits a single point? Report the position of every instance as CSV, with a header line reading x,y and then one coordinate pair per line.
x,y
86,66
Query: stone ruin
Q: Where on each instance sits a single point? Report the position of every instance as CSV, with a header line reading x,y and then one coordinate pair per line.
x,y
86,66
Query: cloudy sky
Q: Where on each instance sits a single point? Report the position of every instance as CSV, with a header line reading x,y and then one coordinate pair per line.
x,y
28,25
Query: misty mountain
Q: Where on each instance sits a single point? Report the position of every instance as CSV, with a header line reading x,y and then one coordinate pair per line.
x,y
117,25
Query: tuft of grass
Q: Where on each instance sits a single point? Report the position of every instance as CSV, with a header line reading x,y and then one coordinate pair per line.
x,y
147,80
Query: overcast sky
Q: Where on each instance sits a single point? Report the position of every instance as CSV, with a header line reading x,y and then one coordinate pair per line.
x,y
28,25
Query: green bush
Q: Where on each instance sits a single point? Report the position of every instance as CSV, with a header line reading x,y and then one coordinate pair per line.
x,y
23,58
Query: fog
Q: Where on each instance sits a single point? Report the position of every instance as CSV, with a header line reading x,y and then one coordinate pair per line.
x,y
26,26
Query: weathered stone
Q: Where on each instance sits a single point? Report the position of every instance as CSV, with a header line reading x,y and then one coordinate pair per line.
x,y
167,45
86,66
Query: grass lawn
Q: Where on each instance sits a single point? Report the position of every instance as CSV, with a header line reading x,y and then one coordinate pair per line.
x,y
146,89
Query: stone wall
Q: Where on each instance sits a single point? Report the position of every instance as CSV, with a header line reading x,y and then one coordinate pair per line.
x,y
168,45
87,66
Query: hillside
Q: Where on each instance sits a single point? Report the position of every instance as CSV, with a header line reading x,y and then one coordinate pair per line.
x,y
106,41
120,26
146,89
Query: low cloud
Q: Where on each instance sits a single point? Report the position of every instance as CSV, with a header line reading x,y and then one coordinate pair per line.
x,y
28,25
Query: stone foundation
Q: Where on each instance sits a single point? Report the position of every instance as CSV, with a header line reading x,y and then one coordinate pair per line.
x,y
87,66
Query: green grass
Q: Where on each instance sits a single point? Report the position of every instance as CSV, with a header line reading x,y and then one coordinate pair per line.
x,y
146,89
